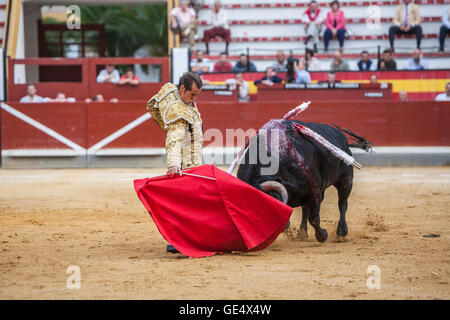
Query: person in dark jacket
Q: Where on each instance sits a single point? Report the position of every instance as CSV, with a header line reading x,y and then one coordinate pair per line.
x,y
365,63
243,65
387,63
270,78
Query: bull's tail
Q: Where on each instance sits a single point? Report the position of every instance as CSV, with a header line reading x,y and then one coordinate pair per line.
x,y
357,140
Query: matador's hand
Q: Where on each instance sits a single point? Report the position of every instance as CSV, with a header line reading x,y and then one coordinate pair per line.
x,y
173,171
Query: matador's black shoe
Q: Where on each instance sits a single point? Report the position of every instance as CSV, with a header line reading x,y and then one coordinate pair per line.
x,y
171,249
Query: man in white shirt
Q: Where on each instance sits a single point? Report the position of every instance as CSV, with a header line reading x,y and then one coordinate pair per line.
x,y
240,84
108,75
183,20
446,95
280,65
219,22
313,19
445,28
416,62
200,64
32,97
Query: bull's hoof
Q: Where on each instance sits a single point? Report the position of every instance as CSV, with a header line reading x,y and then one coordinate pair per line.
x,y
322,235
302,235
342,230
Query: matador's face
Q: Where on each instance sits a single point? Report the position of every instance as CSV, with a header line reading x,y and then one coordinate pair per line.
x,y
189,96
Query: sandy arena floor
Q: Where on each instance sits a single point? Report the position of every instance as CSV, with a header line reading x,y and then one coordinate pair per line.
x,y
92,218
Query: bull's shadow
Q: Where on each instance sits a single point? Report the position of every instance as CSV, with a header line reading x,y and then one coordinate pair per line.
x,y
305,169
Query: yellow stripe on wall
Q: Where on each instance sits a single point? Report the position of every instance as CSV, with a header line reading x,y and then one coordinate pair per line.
x,y
412,85
409,85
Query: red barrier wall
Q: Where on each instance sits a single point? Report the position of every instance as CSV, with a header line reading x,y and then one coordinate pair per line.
x,y
383,123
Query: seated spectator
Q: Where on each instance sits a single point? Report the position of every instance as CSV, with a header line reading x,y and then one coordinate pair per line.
x,y
303,76
99,98
183,20
223,65
364,64
31,96
416,62
240,84
219,22
406,21
445,28
402,95
280,65
338,64
313,19
446,95
200,64
335,23
244,65
387,63
108,75
331,79
60,97
311,63
373,78
129,78
270,78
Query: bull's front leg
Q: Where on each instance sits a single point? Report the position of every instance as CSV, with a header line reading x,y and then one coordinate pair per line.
x,y
303,232
314,220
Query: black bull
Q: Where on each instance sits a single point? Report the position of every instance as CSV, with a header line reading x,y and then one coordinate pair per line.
x,y
305,170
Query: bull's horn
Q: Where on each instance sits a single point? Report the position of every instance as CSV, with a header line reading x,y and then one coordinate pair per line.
x,y
274,185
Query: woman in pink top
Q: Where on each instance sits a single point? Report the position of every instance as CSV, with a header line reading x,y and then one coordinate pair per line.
x,y
335,23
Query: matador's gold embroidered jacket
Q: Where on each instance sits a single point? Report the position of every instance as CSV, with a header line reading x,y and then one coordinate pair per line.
x,y
183,124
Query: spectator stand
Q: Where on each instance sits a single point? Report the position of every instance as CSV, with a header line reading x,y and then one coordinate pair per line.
x,y
267,27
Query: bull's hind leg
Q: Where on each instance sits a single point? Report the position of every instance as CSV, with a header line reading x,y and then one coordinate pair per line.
x,y
303,232
344,188
314,220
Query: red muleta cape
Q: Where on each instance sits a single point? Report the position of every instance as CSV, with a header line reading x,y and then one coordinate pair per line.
x,y
201,217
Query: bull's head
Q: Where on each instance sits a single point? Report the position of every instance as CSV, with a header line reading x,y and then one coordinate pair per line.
x,y
277,187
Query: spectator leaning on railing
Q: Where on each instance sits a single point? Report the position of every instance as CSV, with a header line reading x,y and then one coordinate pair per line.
x,y
445,28
129,78
60,97
270,78
219,22
335,23
108,75
238,83
331,79
406,21
32,96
